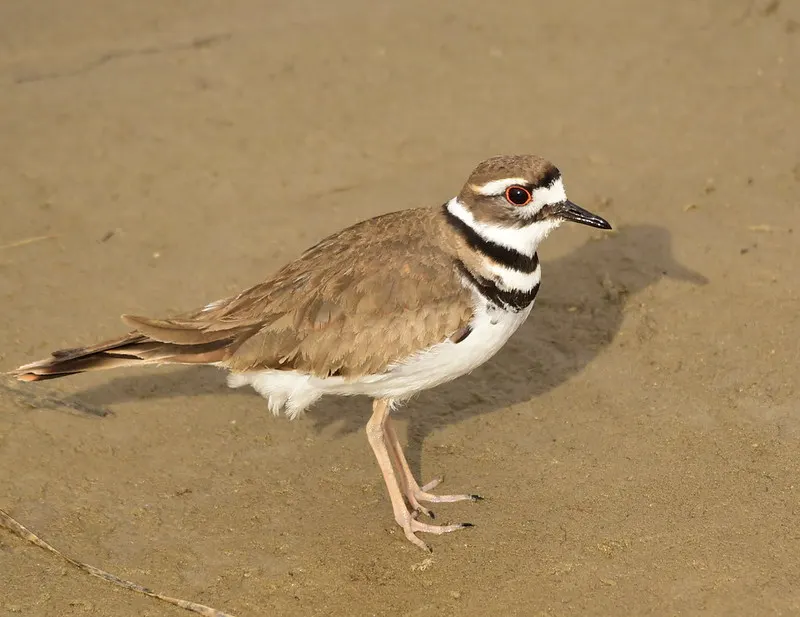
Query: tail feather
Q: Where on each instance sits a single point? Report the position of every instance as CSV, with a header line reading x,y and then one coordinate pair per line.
x,y
131,350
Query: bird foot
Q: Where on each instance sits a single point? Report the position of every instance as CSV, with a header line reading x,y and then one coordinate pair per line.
x,y
408,519
418,494
411,526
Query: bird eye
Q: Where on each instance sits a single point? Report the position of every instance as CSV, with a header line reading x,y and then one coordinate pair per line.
x,y
518,195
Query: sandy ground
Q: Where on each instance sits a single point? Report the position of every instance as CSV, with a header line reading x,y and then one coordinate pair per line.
x,y
637,440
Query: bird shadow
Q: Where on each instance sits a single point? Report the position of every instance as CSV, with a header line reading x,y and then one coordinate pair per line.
x,y
578,313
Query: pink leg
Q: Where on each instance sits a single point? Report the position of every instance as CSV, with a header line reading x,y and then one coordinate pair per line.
x,y
376,434
412,490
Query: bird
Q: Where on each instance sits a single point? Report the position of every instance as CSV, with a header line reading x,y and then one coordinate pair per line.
x,y
386,308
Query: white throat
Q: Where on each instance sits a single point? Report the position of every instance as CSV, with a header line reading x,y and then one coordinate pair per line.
x,y
524,239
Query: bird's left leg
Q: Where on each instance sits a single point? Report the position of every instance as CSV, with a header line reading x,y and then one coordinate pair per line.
x,y
413,492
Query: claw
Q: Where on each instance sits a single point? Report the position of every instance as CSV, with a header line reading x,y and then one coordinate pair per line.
x,y
411,526
427,512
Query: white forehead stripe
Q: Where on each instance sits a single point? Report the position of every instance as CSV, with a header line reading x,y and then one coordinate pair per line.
x,y
496,187
553,194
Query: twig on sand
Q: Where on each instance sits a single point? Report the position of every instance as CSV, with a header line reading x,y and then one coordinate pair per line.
x,y
37,398
24,241
17,529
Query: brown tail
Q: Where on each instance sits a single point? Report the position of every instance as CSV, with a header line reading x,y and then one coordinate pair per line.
x,y
153,342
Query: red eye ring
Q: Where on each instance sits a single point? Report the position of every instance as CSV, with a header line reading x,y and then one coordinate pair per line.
x,y
518,195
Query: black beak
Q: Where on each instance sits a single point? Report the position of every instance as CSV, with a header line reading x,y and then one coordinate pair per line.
x,y
573,212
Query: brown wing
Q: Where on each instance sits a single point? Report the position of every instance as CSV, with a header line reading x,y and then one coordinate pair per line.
x,y
368,296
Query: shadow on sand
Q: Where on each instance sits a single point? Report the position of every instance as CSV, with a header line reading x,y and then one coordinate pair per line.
x,y
578,313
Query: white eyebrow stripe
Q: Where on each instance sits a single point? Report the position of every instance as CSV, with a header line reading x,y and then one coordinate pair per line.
x,y
497,187
553,194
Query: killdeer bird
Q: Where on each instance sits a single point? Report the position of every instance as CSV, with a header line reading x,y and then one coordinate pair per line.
x,y
386,308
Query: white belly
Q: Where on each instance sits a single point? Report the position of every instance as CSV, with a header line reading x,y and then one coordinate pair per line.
x,y
293,392
491,328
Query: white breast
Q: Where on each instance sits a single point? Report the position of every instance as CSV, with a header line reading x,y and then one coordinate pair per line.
x,y
294,392
491,328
